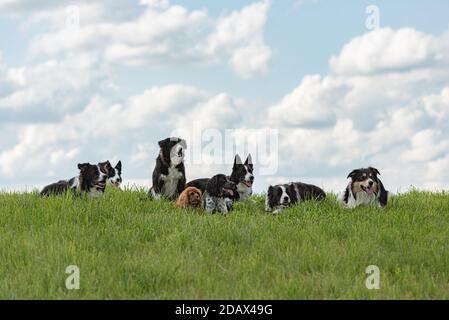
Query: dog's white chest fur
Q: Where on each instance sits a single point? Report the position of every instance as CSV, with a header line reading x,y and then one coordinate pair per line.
x,y
361,198
170,182
244,191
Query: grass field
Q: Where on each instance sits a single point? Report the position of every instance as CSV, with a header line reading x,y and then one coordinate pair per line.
x,y
128,247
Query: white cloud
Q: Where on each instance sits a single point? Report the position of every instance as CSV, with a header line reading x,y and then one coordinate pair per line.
x,y
386,50
372,108
384,103
312,103
159,34
111,130
51,88
250,61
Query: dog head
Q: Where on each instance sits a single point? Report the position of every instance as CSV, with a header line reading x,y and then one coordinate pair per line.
x,y
365,180
242,173
115,175
278,196
93,177
191,196
222,187
173,151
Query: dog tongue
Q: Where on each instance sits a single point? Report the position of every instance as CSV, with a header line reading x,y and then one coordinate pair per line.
x,y
369,191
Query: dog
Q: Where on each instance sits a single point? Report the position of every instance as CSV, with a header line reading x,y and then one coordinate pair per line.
x,y
115,176
169,176
365,188
92,180
283,196
220,194
242,175
190,197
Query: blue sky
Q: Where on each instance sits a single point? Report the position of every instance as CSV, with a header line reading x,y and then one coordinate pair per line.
x,y
294,41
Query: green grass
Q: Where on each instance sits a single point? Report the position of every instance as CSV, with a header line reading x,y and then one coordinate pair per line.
x,y
129,247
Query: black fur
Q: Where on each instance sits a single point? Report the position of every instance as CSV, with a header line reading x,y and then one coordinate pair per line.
x,y
115,175
294,192
220,194
162,169
361,175
383,195
57,188
199,184
217,185
92,178
239,173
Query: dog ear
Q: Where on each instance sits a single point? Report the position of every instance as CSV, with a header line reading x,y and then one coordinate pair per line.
x,y
237,160
375,170
83,166
271,197
353,173
182,200
214,186
119,166
383,195
249,160
163,143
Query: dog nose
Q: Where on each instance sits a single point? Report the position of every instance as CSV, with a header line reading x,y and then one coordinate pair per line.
x,y
285,200
251,178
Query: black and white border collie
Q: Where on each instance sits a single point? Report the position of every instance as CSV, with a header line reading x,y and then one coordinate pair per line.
x,y
285,195
92,180
220,194
115,175
169,176
242,175
365,188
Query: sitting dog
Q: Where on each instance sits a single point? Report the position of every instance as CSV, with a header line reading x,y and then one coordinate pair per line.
x,y
242,175
169,176
190,197
285,195
91,180
364,188
220,194
115,175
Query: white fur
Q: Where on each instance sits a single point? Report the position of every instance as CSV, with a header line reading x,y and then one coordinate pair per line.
x,y
170,181
114,181
280,206
175,158
361,198
244,191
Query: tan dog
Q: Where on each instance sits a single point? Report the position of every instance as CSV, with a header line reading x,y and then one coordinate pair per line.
x,y
190,197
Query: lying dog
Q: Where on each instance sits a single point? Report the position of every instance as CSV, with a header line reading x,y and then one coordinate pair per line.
x,y
190,197
220,194
285,195
364,188
242,175
91,180
169,176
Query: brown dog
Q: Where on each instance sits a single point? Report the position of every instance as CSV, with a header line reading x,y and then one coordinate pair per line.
x,y
190,197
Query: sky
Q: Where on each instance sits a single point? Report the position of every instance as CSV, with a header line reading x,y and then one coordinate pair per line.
x,y
311,88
